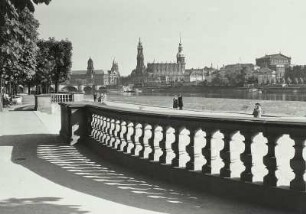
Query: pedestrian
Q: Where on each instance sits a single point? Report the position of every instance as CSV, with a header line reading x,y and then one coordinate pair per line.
x,y
105,98
180,102
102,97
95,96
257,112
175,102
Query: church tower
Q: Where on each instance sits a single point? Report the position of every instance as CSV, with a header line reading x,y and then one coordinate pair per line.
x,y
90,71
180,56
140,67
115,67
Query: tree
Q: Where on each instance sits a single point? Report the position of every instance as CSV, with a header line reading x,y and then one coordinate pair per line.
x,y
45,65
15,39
62,52
18,49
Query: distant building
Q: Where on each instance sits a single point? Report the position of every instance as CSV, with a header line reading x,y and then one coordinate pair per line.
x,y
87,77
195,75
95,77
167,72
266,76
276,62
112,77
138,74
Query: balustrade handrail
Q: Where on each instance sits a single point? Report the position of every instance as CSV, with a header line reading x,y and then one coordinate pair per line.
x,y
160,137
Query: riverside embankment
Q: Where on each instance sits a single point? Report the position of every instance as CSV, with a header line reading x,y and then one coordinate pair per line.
x,y
198,103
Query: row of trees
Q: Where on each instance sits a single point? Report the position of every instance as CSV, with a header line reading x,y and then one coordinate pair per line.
x,y
24,59
295,74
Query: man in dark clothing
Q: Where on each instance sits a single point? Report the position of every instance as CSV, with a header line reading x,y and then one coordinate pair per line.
x,y
95,96
175,102
180,102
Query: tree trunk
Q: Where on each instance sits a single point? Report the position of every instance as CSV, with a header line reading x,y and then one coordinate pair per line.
x,y
1,95
56,86
29,88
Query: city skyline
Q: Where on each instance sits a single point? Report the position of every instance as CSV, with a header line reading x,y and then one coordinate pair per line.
x,y
219,32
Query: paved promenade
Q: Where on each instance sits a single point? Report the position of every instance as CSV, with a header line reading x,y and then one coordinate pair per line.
x,y
40,174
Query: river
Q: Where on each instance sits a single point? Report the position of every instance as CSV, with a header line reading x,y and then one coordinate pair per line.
x,y
222,100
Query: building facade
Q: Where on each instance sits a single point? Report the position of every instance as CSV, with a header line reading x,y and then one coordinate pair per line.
x,y
277,62
112,77
266,76
195,75
92,77
87,77
166,73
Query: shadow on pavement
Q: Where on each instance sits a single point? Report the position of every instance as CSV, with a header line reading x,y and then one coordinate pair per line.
x,y
79,169
37,205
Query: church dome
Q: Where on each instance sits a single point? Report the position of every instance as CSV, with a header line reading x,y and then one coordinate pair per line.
x,y
90,64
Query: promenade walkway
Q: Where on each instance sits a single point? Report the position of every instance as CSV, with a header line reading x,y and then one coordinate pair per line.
x,y
40,174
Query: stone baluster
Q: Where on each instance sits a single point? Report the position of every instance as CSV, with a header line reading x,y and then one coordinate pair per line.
x,y
270,161
102,125
175,148
140,139
247,158
116,134
92,122
108,127
125,136
109,133
151,143
190,150
132,138
95,131
113,133
104,129
124,131
99,128
207,153
162,146
297,164
225,154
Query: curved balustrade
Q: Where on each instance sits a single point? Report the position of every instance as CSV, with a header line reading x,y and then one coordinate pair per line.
x,y
244,151
61,98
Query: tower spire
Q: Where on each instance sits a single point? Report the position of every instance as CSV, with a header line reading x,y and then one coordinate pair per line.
x,y
180,39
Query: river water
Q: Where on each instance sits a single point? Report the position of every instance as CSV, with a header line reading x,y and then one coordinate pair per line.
x,y
216,99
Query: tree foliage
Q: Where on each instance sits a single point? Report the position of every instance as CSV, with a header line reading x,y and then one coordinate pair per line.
x,y
53,62
45,65
18,48
295,74
62,52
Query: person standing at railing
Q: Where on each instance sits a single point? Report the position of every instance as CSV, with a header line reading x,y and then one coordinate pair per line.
x,y
180,102
175,102
257,112
95,96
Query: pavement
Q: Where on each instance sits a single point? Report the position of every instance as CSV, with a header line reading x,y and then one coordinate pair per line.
x,y
40,174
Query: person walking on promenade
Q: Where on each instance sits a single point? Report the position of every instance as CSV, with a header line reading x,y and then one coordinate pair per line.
x,y
95,96
257,112
175,102
180,102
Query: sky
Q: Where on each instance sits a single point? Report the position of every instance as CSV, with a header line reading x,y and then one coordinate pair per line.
x,y
212,31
